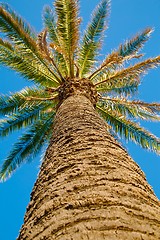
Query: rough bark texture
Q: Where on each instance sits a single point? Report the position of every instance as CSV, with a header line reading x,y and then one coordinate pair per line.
x,y
88,186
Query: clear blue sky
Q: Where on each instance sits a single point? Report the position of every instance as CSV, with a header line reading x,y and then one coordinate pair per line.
x,y
127,18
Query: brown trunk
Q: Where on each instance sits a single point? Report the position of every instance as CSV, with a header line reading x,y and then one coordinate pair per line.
x,y
88,186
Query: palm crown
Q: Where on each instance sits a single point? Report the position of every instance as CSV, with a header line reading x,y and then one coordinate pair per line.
x,y
56,61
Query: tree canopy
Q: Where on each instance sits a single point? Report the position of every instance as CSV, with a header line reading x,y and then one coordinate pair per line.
x,y
58,56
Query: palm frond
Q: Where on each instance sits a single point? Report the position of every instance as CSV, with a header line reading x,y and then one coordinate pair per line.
x,y
130,130
19,33
125,86
68,29
92,38
22,118
28,146
58,53
50,24
127,89
14,27
12,103
132,109
125,52
132,46
28,67
42,43
132,72
44,49
112,62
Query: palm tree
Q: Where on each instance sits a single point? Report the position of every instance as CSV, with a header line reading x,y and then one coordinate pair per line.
x,y
88,186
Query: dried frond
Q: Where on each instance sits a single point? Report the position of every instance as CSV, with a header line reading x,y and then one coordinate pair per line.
x,y
42,43
57,48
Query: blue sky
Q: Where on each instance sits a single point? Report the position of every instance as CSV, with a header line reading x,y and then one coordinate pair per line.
x,y
127,18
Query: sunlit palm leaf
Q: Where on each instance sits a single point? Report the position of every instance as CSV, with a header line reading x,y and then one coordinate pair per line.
x,y
92,38
113,62
28,67
125,52
14,27
132,46
131,73
130,130
11,103
19,32
124,90
123,86
28,146
133,109
20,119
68,29
51,26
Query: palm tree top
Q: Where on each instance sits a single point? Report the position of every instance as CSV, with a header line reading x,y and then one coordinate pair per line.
x,y
58,62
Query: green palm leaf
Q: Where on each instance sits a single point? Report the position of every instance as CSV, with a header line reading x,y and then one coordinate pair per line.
x,y
130,130
28,67
68,30
131,75
15,28
28,146
123,86
125,52
12,103
92,38
133,109
51,26
19,33
132,46
20,119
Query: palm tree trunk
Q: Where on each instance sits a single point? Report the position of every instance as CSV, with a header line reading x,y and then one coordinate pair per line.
x,y
88,186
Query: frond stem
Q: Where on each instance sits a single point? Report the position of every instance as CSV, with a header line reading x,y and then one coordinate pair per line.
x,y
133,102
139,68
57,69
121,60
41,99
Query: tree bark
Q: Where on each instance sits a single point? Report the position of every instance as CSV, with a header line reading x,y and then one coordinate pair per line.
x,y
88,186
